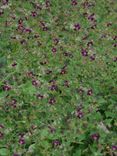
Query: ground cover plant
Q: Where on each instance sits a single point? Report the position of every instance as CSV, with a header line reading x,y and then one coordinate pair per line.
x,y
58,78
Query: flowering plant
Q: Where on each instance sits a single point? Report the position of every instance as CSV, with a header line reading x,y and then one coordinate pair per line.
x,y
57,78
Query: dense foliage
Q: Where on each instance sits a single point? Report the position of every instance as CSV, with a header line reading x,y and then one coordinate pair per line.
x,y
58,78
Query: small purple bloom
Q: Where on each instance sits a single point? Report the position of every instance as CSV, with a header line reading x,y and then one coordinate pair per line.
x,y
77,26
114,147
91,17
47,3
74,2
21,141
27,30
80,91
90,43
56,41
34,13
30,74
92,57
95,136
39,96
90,92
56,143
14,64
52,101
45,28
63,71
79,114
20,21
84,52
6,88
54,50
53,87
35,83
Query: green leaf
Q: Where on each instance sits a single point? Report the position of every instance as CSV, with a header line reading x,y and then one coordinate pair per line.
x,y
4,151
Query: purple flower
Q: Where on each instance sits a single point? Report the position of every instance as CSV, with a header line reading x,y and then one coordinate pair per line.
x,y
80,91
79,114
95,136
77,26
90,43
54,50
27,30
14,64
20,21
47,3
84,52
56,41
56,143
74,2
52,101
45,28
63,71
89,92
6,88
114,147
53,87
92,57
35,83
91,17
21,141
34,13
30,74
39,96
